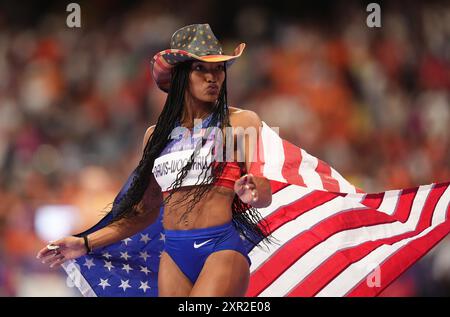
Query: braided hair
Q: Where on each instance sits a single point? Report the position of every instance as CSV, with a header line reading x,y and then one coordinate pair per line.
x,y
246,218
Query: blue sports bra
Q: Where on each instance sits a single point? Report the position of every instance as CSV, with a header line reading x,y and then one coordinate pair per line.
x,y
178,151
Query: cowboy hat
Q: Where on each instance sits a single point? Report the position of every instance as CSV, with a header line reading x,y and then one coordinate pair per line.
x,y
191,42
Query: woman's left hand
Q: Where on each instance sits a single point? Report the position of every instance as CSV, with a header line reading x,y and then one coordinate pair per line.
x,y
245,188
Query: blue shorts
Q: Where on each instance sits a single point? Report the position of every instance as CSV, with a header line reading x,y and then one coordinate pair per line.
x,y
190,248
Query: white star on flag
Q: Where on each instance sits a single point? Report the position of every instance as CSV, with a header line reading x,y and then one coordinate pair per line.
x,y
89,263
108,265
124,255
162,237
127,268
329,236
145,270
144,255
127,240
145,238
144,286
124,285
104,283
106,255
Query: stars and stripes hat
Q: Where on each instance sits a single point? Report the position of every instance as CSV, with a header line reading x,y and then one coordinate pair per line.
x,y
191,42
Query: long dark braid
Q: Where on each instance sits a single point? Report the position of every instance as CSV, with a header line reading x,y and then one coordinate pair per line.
x,y
245,217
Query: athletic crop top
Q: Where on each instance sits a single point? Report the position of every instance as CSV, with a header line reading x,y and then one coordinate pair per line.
x,y
177,153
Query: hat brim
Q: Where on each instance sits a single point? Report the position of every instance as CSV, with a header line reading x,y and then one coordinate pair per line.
x,y
163,62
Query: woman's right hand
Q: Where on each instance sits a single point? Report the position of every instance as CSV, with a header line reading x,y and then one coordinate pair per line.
x,y
61,250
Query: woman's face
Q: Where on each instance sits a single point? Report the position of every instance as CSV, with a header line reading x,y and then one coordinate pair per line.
x,y
205,80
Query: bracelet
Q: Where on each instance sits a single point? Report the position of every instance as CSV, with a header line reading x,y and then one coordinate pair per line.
x,y
86,244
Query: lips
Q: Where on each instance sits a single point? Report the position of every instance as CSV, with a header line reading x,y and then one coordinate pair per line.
x,y
212,88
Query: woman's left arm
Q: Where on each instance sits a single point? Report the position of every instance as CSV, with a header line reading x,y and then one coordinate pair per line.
x,y
252,189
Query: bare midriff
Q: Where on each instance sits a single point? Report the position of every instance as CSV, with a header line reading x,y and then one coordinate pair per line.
x,y
213,209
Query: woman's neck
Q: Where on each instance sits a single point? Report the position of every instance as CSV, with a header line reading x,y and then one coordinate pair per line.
x,y
195,110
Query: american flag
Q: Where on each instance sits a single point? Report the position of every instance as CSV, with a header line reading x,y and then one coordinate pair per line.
x,y
332,239
126,268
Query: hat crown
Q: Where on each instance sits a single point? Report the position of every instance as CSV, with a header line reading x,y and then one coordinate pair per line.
x,y
195,42
197,39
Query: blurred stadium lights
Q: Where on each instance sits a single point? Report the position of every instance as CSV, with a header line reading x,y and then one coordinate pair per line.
x,y
55,221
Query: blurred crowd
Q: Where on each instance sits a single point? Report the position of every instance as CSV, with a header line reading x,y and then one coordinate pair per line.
x,y
75,104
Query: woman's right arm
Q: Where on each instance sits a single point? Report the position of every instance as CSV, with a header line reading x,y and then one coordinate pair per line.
x,y
126,227
72,247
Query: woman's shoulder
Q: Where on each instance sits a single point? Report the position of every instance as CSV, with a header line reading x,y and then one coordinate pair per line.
x,y
244,118
147,135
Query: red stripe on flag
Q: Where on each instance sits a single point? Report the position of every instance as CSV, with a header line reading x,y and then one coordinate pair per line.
x,y
290,212
373,200
329,183
401,260
277,186
257,164
407,255
291,166
337,263
294,249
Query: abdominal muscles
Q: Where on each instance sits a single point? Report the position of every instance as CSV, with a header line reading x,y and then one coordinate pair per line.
x,y
213,209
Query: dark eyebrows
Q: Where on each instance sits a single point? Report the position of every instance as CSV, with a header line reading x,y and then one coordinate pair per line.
x,y
202,64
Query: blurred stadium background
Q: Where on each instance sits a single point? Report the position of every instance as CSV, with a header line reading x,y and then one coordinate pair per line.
x,y
75,103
